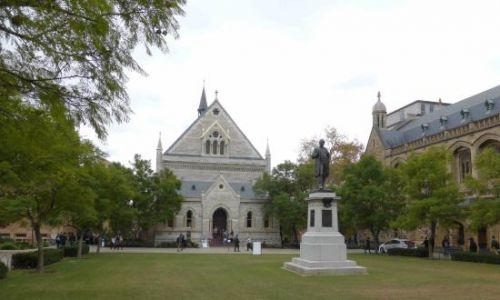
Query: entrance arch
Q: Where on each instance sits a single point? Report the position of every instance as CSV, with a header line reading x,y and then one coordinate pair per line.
x,y
219,223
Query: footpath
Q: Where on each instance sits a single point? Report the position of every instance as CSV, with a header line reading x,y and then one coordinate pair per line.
x,y
210,250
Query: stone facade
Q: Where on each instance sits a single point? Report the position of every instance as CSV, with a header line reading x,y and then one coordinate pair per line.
x,y
465,128
218,167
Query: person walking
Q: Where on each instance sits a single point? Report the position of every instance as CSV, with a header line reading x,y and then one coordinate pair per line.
x,y
249,244
368,246
495,246
236,244
472,245
446,246
179,241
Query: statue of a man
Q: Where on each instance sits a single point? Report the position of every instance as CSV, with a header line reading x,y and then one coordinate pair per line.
x,y
322,157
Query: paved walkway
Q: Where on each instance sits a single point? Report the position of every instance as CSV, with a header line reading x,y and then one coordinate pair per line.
x,y
211,250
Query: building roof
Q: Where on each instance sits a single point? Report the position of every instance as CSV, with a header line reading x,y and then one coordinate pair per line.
x,y
455,115
194,189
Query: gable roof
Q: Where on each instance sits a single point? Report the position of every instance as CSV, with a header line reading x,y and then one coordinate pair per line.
x,y
412,130
237,136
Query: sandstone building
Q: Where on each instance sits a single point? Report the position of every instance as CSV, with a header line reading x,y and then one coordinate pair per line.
x,y
218,167
465,128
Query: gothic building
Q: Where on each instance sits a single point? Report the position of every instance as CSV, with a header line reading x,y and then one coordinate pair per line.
x,y
465,128
218,167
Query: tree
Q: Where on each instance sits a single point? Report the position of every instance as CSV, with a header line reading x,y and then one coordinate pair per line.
x,y
370,196
342,151
39,156
156,198
485,211
80,66
432,194
287,187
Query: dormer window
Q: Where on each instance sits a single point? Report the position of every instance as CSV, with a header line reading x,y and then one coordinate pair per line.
x,y
465,114
425,127
193,187
443,120
490,104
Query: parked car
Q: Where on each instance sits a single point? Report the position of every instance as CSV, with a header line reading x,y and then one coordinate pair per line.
x,y
395,243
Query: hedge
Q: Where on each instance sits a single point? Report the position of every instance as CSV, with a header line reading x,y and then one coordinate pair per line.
x,y
72,251
3,270
418,252
29,260
489,258
189,244
8,246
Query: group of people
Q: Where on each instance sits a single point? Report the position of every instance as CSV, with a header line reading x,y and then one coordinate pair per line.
x,y
116,242
62,240
181,242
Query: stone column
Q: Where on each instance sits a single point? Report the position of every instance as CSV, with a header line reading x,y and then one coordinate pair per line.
x,y
323,250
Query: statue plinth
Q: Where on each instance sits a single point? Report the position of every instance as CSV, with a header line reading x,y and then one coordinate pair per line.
x,y
323,250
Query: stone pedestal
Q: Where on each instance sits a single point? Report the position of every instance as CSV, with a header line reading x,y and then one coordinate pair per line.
x,y
323,250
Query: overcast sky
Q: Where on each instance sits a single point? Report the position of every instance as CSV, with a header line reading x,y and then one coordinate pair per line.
x,y
285,70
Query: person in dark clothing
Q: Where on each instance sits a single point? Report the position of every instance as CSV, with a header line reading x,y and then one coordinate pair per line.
x,y
236,244
368,246
446,246
426,243
472,245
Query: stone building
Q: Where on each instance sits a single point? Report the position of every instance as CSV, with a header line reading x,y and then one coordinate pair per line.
x,y
465,128
218,167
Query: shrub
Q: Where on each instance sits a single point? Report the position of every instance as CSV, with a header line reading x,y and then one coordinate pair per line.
x,y
72,251
29,260
8,246
189,244
419,252
487,258
23,245
3,270
138,243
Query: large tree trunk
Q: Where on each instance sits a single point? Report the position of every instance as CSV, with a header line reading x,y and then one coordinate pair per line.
x,y
39,242
376,238
432,239
80,245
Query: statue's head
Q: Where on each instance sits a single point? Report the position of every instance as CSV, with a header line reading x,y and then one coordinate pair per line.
x,y
321,142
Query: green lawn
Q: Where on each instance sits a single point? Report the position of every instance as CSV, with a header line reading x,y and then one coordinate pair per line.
x,y
218,276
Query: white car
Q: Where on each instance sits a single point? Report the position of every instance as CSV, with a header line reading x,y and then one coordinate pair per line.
x,y
395,243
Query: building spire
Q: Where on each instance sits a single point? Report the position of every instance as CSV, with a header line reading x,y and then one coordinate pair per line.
x,y
159,147
216,95
268,158
203,102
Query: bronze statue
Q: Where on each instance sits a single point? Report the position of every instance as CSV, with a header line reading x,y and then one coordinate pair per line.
x,y
322,157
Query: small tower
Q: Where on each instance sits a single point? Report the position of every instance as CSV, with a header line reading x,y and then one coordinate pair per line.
x,y
379,113
159,154
268,158
203,103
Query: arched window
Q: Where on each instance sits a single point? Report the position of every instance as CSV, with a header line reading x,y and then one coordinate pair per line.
x,y
464,163
214,151
222,144
249,219
207,147
189,218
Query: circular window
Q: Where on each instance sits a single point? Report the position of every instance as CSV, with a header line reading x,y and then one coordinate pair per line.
x,y
215,134
221,186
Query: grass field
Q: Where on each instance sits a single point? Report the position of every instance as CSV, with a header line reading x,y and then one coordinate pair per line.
x,y
216,276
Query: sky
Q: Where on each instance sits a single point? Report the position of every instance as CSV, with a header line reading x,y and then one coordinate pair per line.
x,y
286,70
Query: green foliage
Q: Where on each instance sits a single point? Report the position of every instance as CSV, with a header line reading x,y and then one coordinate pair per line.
x,y
8,246
474,257
418,252
156,196
81,65
71,251
29,260
370,196
3,270
287,188
432,193
485,211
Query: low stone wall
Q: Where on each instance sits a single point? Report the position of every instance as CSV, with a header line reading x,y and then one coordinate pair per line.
x,y
6,256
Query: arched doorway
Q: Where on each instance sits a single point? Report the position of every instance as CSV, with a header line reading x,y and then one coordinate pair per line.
x,y
219,225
